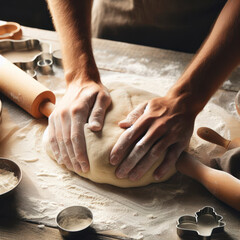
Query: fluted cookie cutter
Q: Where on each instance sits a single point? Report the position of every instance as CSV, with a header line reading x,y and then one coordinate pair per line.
x,y
45,54
203,225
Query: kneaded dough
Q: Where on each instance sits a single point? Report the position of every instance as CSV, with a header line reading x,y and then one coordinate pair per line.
x,y
99,144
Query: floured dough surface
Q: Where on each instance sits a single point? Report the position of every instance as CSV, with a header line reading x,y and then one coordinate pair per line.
x,y
99,144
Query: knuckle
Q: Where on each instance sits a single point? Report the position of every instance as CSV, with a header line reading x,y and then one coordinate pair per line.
x,y
140,147
79,109
76,139
98,112
65,158
63,113
104,96
67,141
52,140
155,152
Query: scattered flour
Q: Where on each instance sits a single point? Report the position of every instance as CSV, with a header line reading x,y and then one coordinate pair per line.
x,y
139,213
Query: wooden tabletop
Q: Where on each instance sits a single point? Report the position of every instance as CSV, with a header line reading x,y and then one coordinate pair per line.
x,y
11,226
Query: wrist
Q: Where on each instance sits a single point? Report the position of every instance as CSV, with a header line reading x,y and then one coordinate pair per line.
x,y
185,100
82,70
190,93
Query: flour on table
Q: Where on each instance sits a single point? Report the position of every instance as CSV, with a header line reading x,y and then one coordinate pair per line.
x,y
47,188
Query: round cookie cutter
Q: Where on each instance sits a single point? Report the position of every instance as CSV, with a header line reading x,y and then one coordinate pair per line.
x,y
72,221
57,58
11,166
45,66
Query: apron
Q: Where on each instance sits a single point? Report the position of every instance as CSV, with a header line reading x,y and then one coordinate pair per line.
x,y
180,25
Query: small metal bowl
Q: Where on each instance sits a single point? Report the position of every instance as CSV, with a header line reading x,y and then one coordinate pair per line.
x,y
11,166
72,221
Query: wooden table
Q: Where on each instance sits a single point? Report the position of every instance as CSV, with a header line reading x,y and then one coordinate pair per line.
x,y
11,227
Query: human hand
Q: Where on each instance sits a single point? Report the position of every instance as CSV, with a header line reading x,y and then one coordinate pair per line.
x,y
82,103
160,125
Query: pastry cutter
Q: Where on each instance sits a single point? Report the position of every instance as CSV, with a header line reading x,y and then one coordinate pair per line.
x,y
203,225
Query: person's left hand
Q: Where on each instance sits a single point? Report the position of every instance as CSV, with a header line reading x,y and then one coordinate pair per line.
x,y
161,125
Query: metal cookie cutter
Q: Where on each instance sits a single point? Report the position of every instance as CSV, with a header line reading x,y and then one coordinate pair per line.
x,y
28,45
57,58
10,30
205,223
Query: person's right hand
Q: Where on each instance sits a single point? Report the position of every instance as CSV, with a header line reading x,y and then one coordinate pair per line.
x,y
82,103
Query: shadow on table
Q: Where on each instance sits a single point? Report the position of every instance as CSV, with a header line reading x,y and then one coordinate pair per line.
x,y
8,210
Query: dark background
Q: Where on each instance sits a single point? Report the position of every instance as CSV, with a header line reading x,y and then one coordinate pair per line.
x,y
31,13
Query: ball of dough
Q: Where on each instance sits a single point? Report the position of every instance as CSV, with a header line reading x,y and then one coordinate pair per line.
x,y
99,144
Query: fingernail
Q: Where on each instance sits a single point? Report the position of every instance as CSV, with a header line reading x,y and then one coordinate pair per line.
x,y
85,167
60,161
160,174
77,167
114,160
120,173
95,124
156,177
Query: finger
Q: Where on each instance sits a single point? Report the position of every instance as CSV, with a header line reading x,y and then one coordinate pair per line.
x,y
53,140
78,141
173,153
149,159
97,116
127,140
66,132
133,116
63,151
141,148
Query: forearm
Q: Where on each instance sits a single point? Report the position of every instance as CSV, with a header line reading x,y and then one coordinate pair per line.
x,y
72,20
219,55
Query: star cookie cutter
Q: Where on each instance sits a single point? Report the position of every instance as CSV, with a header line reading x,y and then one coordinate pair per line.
x,y
205,223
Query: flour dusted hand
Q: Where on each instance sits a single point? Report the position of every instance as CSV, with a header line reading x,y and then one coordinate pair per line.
x,y
81,103
161,125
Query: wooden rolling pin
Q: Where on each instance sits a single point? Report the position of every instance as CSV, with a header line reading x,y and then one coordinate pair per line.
x,y
211,136
221,184
25,91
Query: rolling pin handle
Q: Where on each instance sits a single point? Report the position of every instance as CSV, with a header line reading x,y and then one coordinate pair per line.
x,y
211,136
46,108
